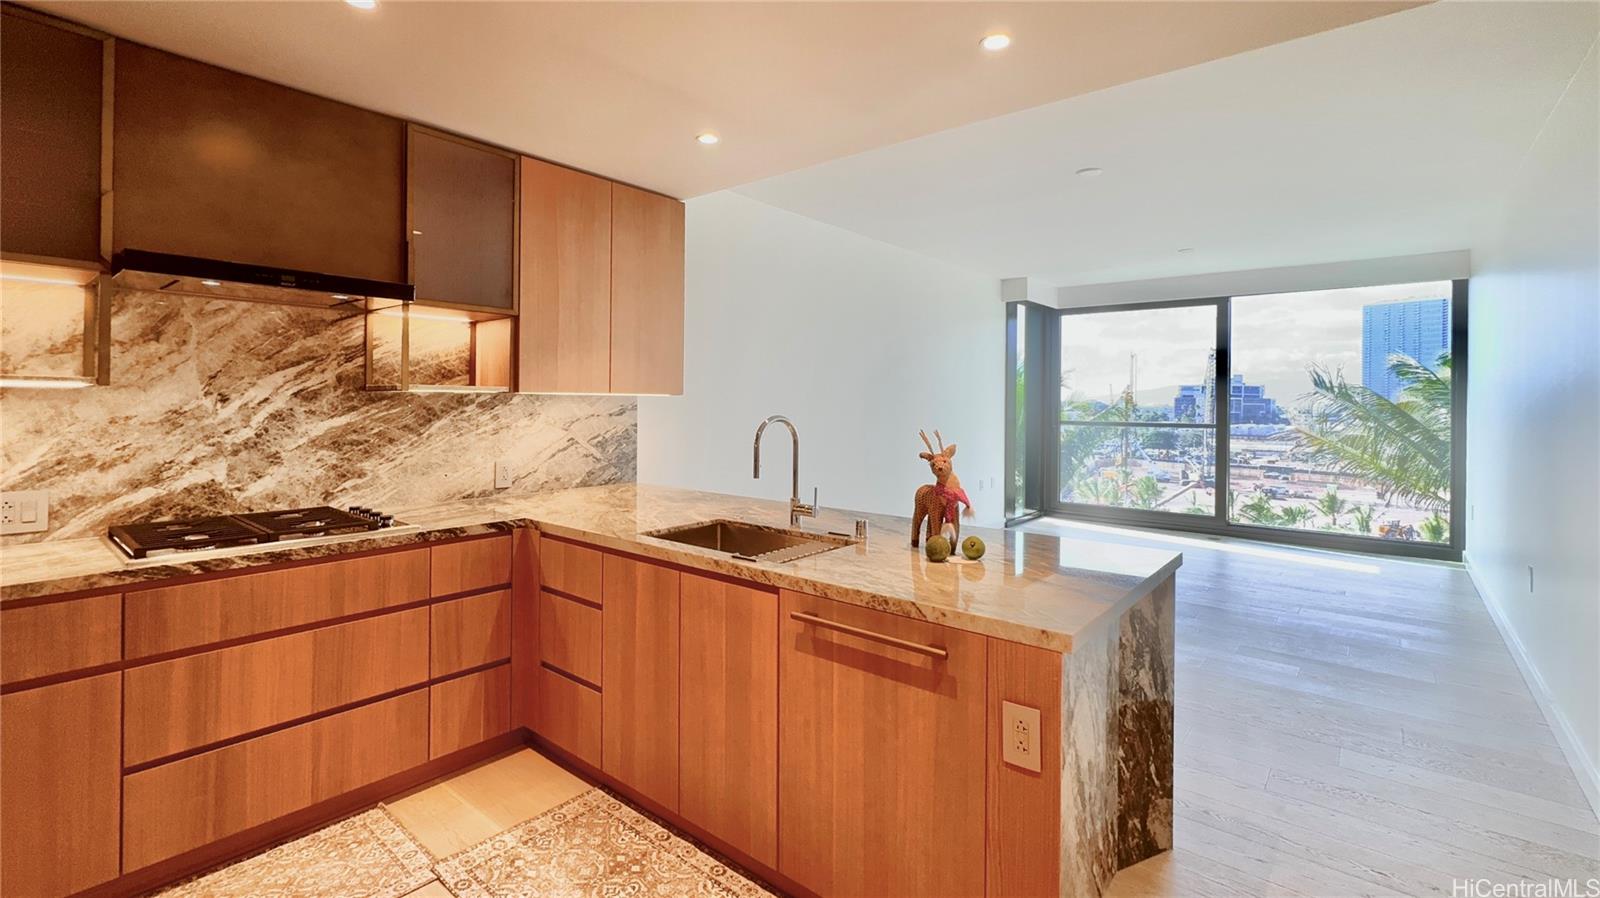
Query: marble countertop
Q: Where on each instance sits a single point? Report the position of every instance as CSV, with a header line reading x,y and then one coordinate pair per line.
x,y
1031,588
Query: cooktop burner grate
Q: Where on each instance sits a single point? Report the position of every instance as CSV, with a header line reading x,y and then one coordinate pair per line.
x,y
227,531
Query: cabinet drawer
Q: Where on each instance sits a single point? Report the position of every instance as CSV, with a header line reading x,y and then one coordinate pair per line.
x,y
470,709
41,640
470,632
569,715
472,564
569,637
176,807
188,702
62,773
191,614
570,568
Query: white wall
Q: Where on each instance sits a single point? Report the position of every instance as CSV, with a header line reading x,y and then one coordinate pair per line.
x,y
860,343
1533,439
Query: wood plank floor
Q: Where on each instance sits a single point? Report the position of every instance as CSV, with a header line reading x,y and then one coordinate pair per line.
x,y
1349,725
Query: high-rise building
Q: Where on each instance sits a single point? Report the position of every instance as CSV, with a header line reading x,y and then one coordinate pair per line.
x,y
1419,329
1247,403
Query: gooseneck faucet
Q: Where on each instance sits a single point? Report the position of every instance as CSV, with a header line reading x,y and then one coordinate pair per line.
x,y
796,507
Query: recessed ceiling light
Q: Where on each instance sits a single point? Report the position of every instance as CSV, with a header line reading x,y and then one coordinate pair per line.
x,y
996,41
707,137
362,4
1091,172
211,283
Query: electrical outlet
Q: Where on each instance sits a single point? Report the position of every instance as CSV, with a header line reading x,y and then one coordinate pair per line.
x,y
1020,732
25,511
502,475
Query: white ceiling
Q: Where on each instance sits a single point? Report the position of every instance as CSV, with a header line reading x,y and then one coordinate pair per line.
x,y
1388,137
621,89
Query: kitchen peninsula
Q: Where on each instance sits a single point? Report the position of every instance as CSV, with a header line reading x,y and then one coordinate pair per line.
x,y
861,721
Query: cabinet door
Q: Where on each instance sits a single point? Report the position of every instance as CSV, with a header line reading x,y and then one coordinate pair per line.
x,y
728,727
50,86
881,783
646,292
639,717
61,763
212,163
564,324
462,199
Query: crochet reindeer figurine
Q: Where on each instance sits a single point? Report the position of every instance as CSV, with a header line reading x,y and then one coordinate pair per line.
x,y
937,502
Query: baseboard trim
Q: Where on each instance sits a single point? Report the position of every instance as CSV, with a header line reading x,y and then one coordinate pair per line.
x,y
1567,737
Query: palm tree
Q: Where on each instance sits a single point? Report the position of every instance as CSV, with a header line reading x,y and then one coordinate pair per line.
x,y
1259,511
1362,516
1146,492
1332,506
1295,516
1403,447
1077,444
1435,528
1097,491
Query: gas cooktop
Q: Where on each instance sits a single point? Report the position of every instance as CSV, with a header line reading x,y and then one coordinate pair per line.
x,y
169,540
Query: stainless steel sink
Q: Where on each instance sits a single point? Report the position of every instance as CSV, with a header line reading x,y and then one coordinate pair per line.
x,y
752,542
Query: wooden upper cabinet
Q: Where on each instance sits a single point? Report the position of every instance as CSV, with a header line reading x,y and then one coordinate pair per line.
x,y
211,163
646,292
50,88
564,322
462,203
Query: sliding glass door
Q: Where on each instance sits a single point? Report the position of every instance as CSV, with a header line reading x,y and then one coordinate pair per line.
x,y
1332,418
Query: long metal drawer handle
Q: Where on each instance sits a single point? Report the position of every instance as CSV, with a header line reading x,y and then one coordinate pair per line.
x,y
932,651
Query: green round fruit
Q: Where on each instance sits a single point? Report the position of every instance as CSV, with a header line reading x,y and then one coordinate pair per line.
x,y
938,548
973,548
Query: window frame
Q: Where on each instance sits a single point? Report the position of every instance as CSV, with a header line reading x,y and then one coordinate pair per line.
x,y
1042,466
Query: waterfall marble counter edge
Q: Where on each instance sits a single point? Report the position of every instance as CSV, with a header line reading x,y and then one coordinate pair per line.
x,y
1030,588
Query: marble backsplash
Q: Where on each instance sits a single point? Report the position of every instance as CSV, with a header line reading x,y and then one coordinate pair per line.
x,y
224,406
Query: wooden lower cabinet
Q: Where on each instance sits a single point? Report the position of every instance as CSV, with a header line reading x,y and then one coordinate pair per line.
x,y
470,709
639,731
470,565
881,787
569,637
188,615
32,643
61,772
189,702
728,715
469,632
568,714
175,807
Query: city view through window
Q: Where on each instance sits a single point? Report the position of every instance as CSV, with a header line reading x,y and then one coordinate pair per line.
x,y
1338,411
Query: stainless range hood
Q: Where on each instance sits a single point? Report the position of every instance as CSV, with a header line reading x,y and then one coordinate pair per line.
x,y
212,278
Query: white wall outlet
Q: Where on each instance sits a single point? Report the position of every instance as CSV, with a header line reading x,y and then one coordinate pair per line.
x,y
502,475
25,511
1019,731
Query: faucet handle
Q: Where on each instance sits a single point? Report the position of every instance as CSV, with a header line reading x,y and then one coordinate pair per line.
x,y
801,509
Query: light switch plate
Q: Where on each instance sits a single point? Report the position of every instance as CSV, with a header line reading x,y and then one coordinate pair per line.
x,y
1019,734
25,511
